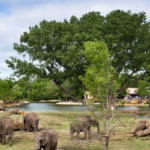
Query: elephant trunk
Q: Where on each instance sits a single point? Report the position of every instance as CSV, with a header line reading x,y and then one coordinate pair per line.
x,y
37,146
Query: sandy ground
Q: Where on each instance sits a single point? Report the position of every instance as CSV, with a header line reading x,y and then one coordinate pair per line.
x,y
69,103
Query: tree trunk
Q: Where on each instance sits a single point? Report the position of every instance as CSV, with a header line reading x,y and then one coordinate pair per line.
x,y
110,104
143,132
111,100
106,143
141,125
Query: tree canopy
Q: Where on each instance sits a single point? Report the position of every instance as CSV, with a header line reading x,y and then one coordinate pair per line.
x,y
100,74
56,49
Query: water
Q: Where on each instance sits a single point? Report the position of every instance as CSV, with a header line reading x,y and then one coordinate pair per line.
x,y
144,110
139,108
39,107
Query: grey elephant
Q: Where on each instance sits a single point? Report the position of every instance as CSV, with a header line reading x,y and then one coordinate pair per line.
x,y
83,125
46,139
31,121
6,128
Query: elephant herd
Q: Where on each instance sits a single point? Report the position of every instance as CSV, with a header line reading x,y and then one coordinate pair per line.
x,y
46,139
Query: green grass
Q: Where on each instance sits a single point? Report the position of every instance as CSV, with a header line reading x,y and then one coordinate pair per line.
x,y
60,121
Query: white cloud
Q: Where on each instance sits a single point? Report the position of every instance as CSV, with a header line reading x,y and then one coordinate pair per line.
x,y
18,17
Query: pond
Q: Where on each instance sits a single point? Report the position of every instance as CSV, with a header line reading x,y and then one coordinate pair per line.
x,y
39,107
139,108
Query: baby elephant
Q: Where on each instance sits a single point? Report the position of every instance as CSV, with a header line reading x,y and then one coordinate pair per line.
x,y
31,121
46,139
83,124
6,128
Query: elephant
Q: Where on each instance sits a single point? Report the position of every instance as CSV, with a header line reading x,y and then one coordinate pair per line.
x,y
6,128
31,121
83,124
46,139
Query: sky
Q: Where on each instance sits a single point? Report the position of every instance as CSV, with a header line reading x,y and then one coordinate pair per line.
x,y
16,16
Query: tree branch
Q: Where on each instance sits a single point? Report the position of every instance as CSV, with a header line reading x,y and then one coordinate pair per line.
x,y
137,79
78,99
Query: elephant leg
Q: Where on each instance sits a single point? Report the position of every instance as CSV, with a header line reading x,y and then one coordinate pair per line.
x,y
10,140
48,147
36,126
3,139
71,134
89,134
85,134
28,127
78,135
55,148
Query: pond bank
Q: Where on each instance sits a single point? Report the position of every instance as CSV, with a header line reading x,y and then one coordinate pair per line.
x,y
69,103
142,104
48,101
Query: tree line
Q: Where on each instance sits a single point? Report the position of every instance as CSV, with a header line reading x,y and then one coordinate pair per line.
x,y
35,89
31,89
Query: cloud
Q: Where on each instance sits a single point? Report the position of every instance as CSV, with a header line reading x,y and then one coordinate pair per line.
x,y
16,17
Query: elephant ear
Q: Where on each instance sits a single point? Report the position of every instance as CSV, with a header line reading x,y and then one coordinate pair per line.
x,y
24,116
44,139
93,121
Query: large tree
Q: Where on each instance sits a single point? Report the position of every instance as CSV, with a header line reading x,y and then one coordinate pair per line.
x,y
57,48
127,36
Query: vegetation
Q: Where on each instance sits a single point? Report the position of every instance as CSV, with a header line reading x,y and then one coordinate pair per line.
x,y
57,48
144,87
31,89
5,89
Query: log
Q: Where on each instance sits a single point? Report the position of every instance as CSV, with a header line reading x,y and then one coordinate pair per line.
x,y
142,133
15,111
18,126
130,135
141,125
147,126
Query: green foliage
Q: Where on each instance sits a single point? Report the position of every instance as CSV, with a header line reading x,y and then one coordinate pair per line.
x,y
16,93
143,87
99,78
5,89
122,102
127,37
57,47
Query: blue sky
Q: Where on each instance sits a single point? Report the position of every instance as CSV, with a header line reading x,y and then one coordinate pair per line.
x,y
17,15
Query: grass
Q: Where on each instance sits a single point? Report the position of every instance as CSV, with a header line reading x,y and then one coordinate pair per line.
x,y
60,121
